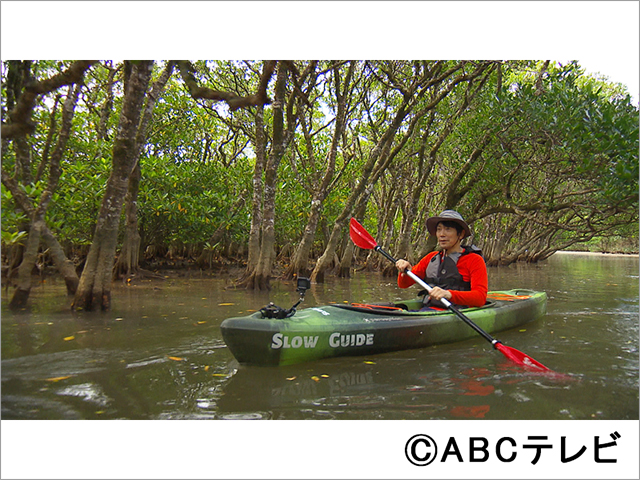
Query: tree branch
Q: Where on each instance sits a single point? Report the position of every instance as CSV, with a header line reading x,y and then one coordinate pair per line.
x,y
234,101
20,116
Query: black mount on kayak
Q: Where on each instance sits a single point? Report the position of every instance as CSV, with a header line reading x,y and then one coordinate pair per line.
x,y
274,311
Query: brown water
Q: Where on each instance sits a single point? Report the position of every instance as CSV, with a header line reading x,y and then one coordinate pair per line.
x,y
158,354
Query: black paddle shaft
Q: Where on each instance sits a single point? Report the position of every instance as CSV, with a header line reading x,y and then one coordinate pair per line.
x,y
446,302
379,249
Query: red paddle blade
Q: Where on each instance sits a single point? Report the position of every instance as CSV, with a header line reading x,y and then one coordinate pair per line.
x,y
521,359
360,236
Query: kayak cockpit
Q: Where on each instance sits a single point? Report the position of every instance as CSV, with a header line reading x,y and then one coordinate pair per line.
x,y
409,307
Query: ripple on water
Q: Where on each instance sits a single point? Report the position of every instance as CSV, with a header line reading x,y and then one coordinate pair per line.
x,y
245,416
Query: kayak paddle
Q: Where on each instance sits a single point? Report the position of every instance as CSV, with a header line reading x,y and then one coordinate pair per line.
x,y
363,239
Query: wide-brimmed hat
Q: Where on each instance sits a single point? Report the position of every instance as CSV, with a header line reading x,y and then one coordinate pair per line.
x,y
447,216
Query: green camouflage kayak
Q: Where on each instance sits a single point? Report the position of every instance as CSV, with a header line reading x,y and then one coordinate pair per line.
x,y
357,329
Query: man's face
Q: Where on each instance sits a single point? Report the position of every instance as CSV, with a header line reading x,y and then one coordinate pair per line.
x,y
448,237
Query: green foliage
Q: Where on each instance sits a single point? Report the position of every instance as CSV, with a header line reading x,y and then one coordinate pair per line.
x,y
9,239
574,141
75,205
564,164
183,203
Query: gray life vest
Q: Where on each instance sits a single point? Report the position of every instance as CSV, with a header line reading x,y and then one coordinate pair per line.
x,y
444,273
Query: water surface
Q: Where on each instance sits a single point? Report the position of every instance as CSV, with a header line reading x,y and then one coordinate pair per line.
x,y
159,354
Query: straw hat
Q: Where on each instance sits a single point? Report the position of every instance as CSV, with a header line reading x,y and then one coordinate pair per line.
x,y
448,216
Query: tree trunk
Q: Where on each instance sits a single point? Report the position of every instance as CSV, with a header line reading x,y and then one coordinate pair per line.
x,y
38,225
94,289
105,110
60,260
300,260
258,192
299,265
129,259
360,193
261,275
22,148
348,254
65,266
425,167
23,287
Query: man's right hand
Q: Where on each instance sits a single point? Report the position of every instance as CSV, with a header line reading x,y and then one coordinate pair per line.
x,y
403,265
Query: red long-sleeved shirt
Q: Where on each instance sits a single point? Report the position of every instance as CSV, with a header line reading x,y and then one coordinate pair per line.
x,y
473,270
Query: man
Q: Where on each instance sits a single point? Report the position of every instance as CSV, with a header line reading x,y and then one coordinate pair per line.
x,y
457,273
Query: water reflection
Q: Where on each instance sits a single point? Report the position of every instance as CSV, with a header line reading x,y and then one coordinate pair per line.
x,y
410,385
